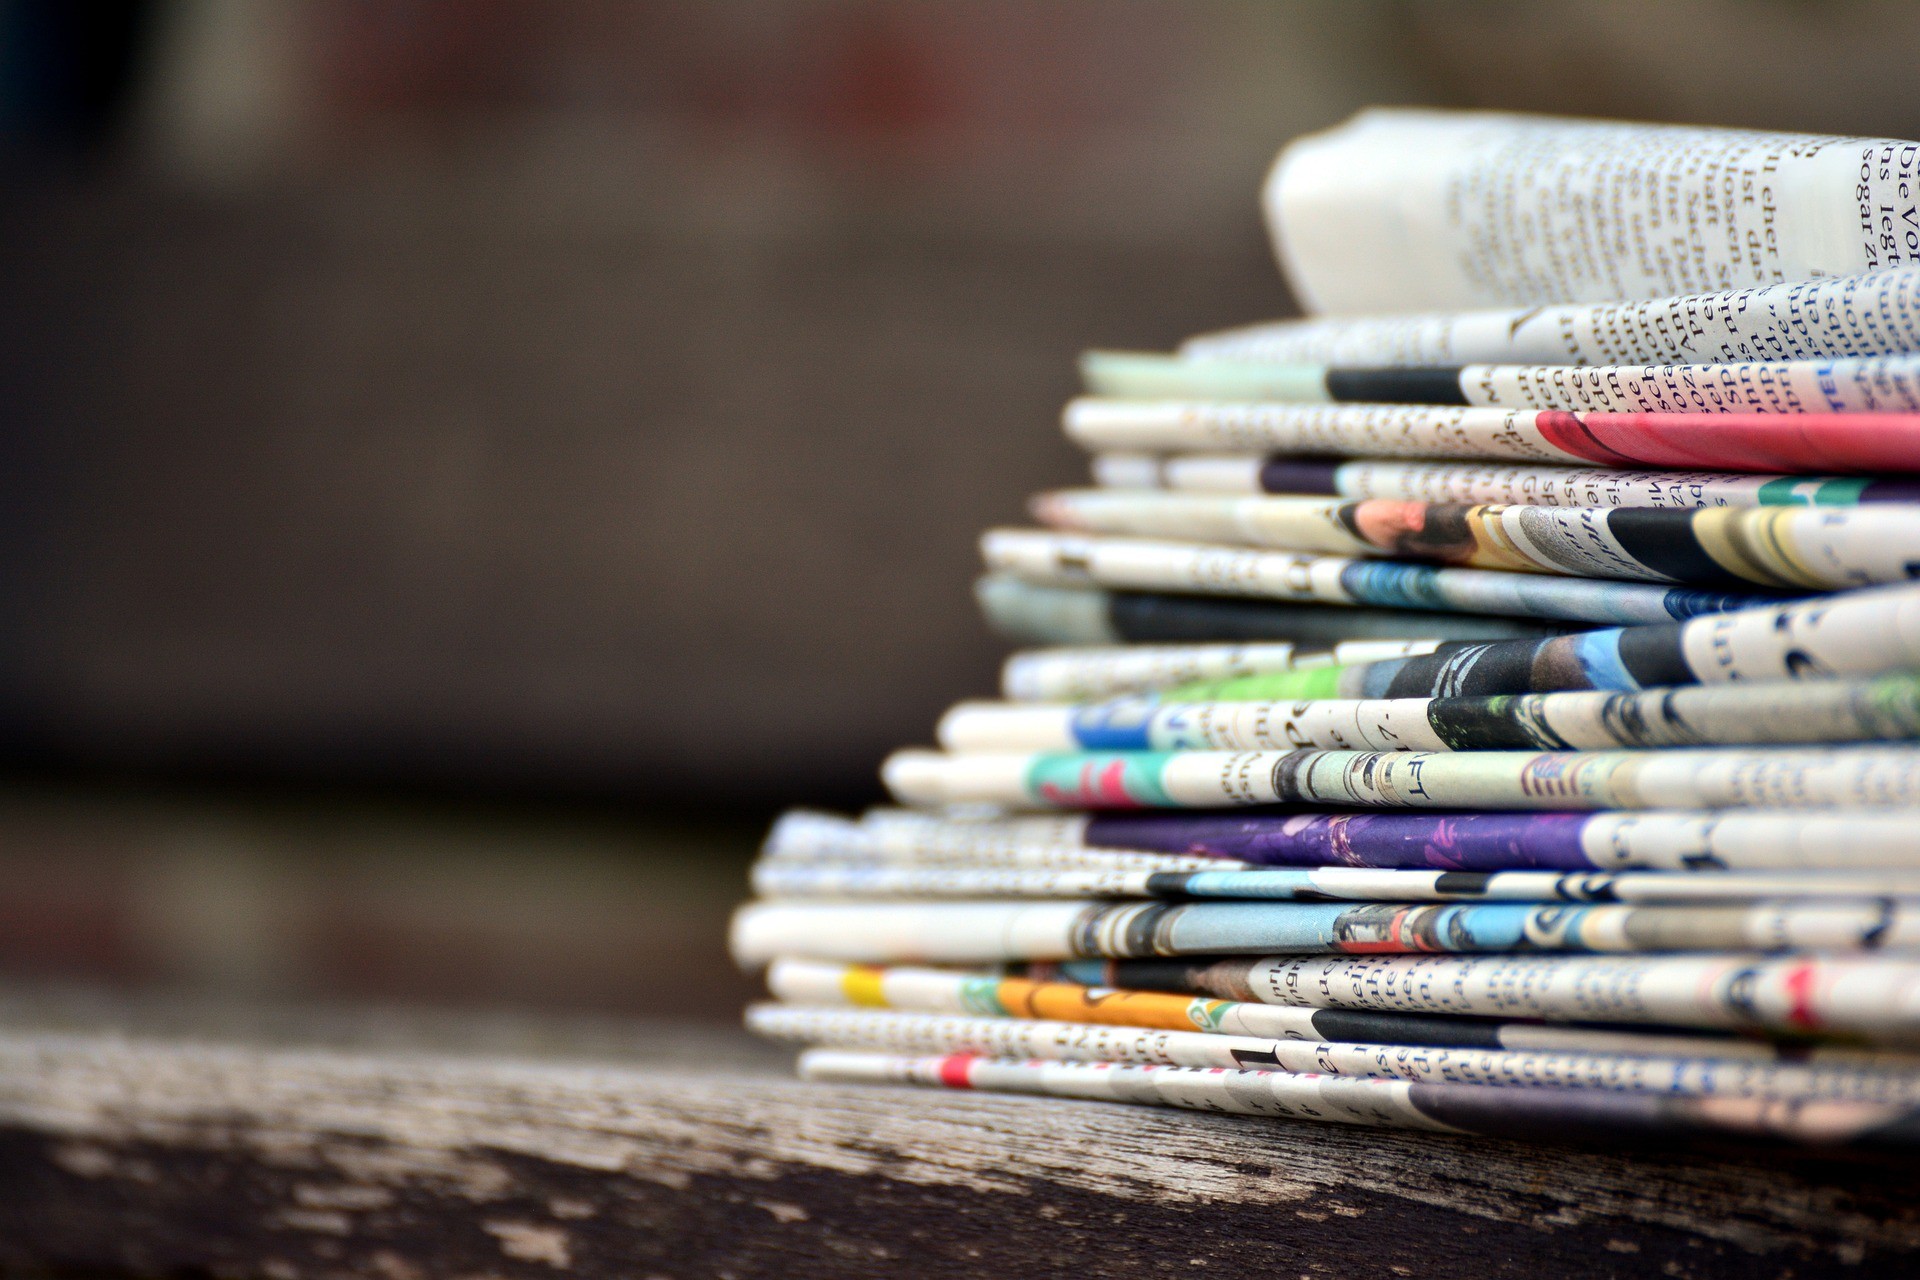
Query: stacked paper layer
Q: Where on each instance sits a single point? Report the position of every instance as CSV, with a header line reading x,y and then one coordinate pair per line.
x,y
1488,705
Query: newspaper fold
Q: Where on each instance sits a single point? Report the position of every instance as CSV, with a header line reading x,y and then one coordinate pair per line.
x,y
1872,443
788,879
1535,1114
990,995
1872,385
1870,998
1856,633
1680,778
1789,548
1538,485
991,932
1707,1077
1032,613
1658,840
1873,313
1070,559
1413,209
1882,709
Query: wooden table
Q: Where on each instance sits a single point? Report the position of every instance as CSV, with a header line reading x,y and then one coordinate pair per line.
x,y
165,1135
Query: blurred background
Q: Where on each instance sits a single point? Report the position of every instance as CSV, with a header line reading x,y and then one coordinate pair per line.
x,y
468,463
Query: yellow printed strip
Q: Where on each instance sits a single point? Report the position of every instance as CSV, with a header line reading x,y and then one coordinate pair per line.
x,y
1755,545
1066,1002
860,984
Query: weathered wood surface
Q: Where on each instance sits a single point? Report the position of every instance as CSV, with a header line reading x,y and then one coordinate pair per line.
x,y
158,1138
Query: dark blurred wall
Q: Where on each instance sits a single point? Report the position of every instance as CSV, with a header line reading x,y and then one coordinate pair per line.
x,y
597,397
605,397
564,505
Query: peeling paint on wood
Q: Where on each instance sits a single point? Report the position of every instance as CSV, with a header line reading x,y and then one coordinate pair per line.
x,y
167,1152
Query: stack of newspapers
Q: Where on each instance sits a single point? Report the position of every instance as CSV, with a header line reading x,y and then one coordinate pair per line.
x,y
1486,705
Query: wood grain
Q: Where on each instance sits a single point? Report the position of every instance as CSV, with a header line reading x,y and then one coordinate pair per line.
x,y
484,1149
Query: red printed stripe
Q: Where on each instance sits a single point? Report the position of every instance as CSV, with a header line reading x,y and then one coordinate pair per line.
x,y
956,1070
1800,989
1825,442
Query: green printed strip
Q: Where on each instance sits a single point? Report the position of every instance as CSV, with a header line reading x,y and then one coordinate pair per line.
x,y
1099,779
1272,686
982,996
1208,1015
1895,702
1792,491
1841,493
1134,375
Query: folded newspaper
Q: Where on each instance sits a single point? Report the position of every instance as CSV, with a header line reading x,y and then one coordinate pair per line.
x,y
1489,704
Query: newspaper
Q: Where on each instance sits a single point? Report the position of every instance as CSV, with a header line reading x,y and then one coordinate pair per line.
x,y
784,878
1876,313
1787,548
986,994
1874,384
1676,778
1070,559
1858,633
1552,1114
995,931
1537,485
1871,443
935,1033
1034,613
1420,210
1883,709
1656,840
1870,998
